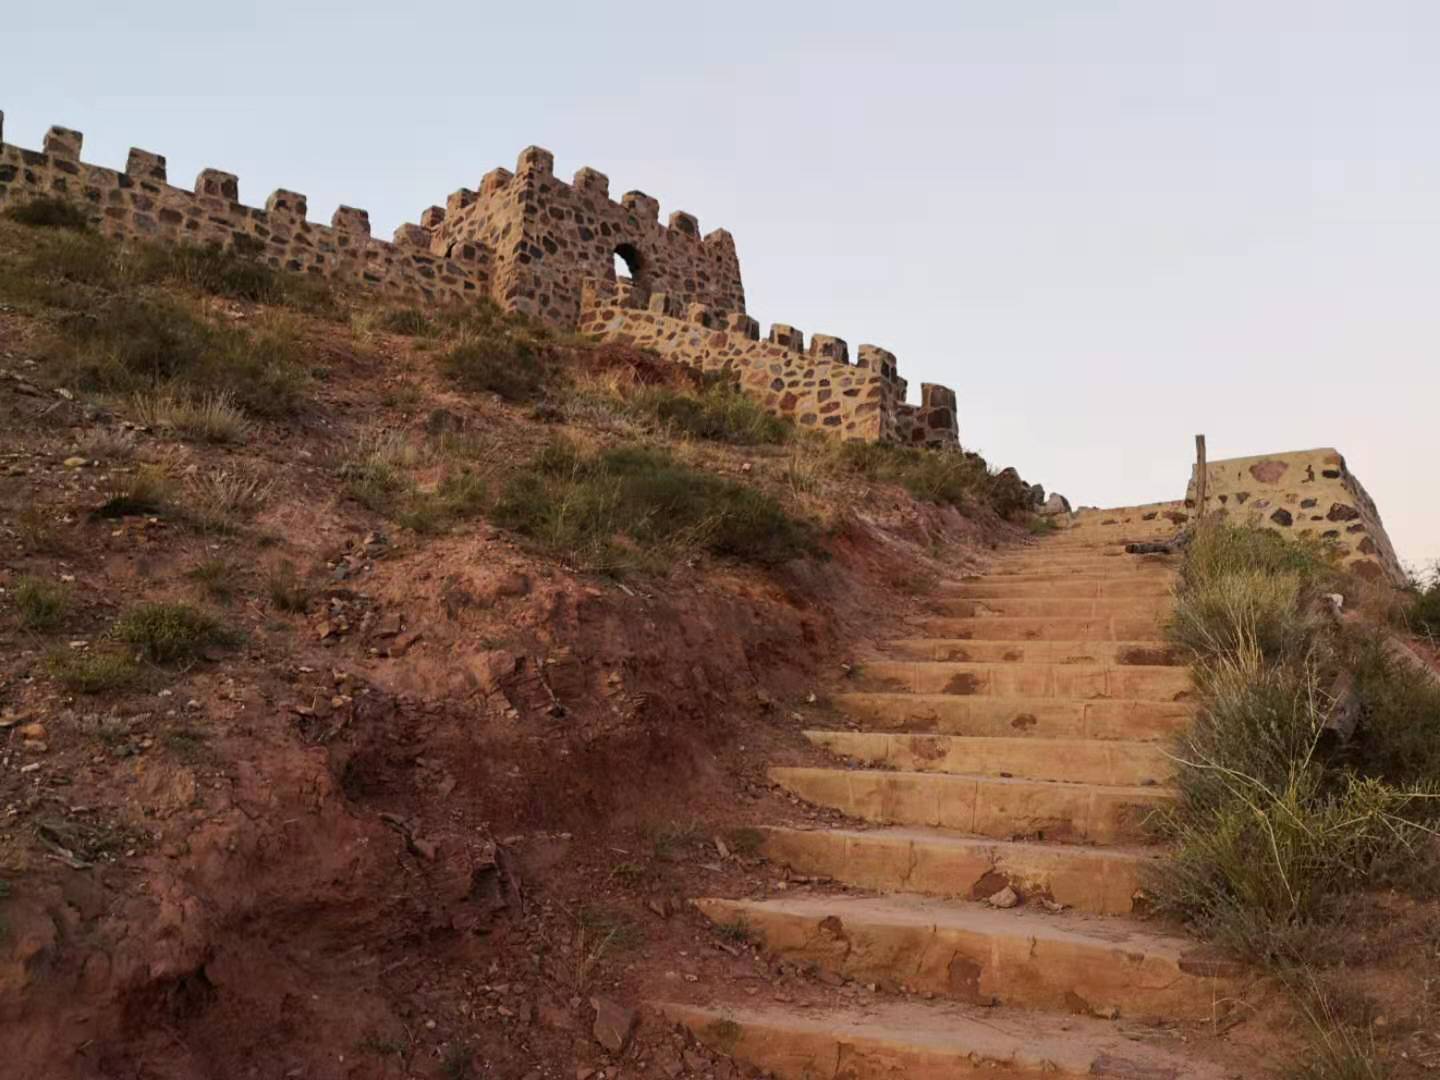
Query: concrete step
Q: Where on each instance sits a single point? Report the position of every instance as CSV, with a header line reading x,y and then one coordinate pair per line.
x,y
1084,761
1072,587
1000,807
882,1040
1029,680
1149,653
957,714
1156,608
1119,568
1029,628
969,952
1102,880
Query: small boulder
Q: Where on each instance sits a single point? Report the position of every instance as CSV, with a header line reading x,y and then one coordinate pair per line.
x,y
613,1024
1056,504
1005,898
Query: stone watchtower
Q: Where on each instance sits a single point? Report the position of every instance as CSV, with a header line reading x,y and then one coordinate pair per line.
x,y
533,244
546,237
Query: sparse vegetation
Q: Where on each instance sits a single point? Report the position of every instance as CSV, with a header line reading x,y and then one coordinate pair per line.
x,y
219,578
1274,827
221,498
145,490
718,411
49,213
288,591
635,506
167,633
496,360
210,417
40,604
961,479
93,671
1423,614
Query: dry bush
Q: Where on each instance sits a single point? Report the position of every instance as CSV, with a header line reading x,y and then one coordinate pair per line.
x,y
207,417
222,498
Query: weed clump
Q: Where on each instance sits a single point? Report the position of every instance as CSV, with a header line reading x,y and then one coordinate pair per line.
x,y
40,604
634,506
1276,821
499,362
167,633
719,412
48,212
94,671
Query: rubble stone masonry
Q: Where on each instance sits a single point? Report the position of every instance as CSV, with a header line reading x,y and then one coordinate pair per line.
x,y
1307,494
533,244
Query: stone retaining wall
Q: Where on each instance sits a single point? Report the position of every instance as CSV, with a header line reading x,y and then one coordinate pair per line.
x,y
1304,493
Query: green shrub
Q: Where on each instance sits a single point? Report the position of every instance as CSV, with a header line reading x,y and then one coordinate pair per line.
x,y
957,478
1271,828
721,412
169,632
460,495
497,361
94,671
288,592
638,506
1423,615
409,321
41,604
220,578
49,212
1399,737
134,343
235,272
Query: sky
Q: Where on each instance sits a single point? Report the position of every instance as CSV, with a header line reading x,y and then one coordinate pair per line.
x,y
1108,225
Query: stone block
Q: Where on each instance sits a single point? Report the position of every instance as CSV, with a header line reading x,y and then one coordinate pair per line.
x,y
686,224
787,337
351,219
287,204
641,205
218,184
432,217
143,165
64,143
536,161
592,180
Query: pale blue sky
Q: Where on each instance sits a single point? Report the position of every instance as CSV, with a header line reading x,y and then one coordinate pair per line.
x,y
1107,225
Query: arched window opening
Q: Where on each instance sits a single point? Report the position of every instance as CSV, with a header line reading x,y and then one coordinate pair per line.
x,y
628,265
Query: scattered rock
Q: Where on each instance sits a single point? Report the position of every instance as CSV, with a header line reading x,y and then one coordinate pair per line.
x,y
75,463
613,1024
34,730
1005,898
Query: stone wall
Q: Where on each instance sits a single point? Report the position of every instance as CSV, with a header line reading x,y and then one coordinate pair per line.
x,y
817,388
531,243
1304,493
139,202
547,237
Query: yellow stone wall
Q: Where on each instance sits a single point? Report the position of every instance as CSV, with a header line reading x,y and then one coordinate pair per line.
x,y
1304,493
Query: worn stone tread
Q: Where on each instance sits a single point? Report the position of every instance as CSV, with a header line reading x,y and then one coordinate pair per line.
x,y
930,1041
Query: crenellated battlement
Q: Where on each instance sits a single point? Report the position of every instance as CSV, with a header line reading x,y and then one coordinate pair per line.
x,y
531,242
140,202
548,236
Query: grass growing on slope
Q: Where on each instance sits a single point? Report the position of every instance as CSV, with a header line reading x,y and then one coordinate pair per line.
x,y
635,506
1275,826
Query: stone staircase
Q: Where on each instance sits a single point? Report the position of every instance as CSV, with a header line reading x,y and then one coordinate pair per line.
x,y
1009,751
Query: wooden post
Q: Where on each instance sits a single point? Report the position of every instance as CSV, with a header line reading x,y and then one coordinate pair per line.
x,y
1201,479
